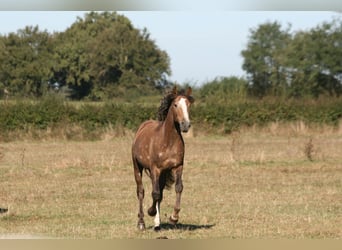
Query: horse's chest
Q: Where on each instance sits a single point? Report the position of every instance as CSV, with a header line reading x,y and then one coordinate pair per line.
x,y
170,159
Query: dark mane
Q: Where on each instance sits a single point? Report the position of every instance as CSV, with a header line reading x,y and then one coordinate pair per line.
x,y
165,104
167,100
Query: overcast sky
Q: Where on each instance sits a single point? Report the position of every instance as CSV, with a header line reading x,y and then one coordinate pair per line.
x,y
202,45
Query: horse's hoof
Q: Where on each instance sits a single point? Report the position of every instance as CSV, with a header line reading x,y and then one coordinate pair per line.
x,y
172,220
141,226
157,228
3,210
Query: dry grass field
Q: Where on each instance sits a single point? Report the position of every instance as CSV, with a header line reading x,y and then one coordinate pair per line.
x,y
251,184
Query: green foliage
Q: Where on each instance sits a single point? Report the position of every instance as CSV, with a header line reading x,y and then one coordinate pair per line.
x,y
313,61
232,117
103,56
262,58
214,118
40,115
224,90
124,115
52,112
99,56
26,61
302,64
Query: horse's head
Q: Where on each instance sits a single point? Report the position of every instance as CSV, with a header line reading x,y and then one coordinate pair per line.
x,y
181,107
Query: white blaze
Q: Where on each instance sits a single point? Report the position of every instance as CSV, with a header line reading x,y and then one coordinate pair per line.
x,y
182,104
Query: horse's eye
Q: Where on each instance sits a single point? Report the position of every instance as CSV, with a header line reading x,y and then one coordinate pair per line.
x,y
175,105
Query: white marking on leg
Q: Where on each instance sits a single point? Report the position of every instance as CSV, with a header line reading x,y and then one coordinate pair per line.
x,y
173,218
157,217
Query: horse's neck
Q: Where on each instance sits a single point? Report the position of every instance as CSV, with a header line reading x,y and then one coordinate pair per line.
x,y
170,131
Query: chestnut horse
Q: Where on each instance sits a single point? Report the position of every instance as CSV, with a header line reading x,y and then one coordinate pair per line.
x,y
158,149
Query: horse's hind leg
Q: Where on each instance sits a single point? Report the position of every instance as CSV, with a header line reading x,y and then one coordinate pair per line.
x,y
178,188
140,193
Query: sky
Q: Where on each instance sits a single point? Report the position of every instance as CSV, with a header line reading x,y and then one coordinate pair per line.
x,y
202,45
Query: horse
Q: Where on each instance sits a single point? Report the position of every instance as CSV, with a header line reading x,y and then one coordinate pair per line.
x,y
158,149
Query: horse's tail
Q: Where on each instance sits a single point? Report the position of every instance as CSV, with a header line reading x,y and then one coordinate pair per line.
x,y
167,178
147,172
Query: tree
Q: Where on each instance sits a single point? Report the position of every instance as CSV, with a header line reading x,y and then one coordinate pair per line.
x,y
26,61
303,64
328,58
313,61
103,56
262,59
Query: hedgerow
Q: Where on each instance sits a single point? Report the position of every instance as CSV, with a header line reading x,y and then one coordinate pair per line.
x,y
234,116
41,115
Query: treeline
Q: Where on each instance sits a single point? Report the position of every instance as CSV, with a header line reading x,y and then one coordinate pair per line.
x,y
91,119
103,56
100,56
290,77
299,64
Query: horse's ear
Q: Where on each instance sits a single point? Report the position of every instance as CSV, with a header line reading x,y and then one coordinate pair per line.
x,y
188,94
174,90
189,91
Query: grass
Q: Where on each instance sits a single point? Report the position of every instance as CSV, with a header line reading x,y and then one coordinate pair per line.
x,y
247,185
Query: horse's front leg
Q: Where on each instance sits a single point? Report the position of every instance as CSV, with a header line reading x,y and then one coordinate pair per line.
x,y
178,188
154,210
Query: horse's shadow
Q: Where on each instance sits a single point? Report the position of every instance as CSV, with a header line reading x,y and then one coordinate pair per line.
x,y
183,227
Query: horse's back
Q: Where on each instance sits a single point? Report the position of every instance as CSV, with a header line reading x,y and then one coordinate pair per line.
x,y
146,128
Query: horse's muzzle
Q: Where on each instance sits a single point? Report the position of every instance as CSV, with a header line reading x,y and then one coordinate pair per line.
x,y
185,126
